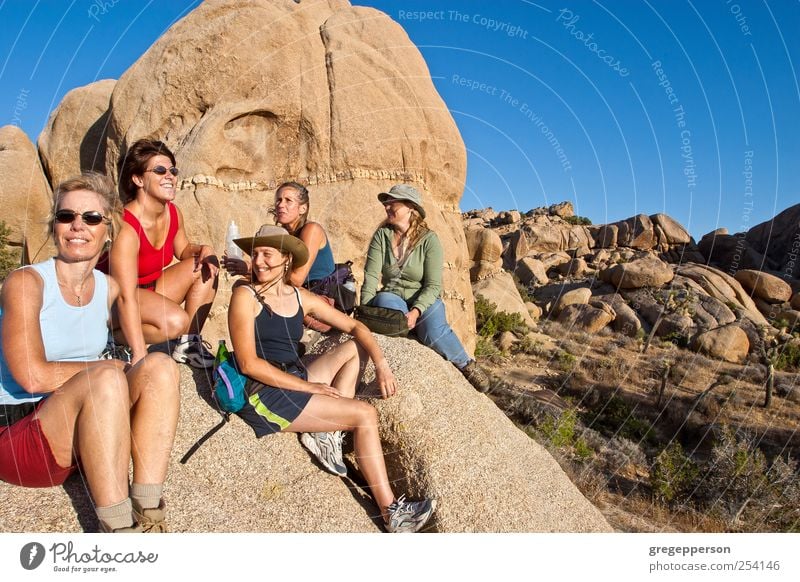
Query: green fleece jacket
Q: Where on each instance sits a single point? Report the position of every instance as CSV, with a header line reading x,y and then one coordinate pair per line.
x,y
420,280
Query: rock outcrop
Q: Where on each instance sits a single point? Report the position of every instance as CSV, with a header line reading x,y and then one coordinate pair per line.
x,y
25,195
441,438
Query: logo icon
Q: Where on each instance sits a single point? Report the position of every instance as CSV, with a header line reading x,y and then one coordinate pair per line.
x,y
31,555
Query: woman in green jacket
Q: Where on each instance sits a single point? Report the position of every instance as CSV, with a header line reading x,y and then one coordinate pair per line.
x,y
406,258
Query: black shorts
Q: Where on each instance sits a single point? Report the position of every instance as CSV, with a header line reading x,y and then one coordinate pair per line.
x,y
270,409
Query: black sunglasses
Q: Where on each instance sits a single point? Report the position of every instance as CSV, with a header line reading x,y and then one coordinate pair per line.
x,y
161,170
90,218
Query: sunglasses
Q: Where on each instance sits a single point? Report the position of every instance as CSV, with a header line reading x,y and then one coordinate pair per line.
x,y
161,170
90,217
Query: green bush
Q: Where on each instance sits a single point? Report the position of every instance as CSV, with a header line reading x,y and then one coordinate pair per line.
x,y
673,474
566,362
9,257
489,322
562,434
578,220
615,417
788,357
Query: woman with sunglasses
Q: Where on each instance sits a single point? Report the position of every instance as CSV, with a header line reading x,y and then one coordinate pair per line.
x,y
265,321
171,301
60,405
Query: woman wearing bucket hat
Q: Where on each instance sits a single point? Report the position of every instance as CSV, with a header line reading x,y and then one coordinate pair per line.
x,y
284,394
406,257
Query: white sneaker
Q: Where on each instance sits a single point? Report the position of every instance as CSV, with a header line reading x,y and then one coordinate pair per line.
x,y
192,350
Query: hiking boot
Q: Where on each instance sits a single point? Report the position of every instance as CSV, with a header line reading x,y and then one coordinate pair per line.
x,y
409,516
135,528
327,448
150,520
475,376
192,350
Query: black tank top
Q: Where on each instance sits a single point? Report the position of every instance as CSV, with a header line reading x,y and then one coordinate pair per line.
x,y
277,337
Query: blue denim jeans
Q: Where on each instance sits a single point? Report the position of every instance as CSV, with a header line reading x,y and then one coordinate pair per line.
x,y
432,328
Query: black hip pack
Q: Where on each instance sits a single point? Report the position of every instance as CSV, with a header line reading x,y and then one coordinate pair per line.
x,y
12,413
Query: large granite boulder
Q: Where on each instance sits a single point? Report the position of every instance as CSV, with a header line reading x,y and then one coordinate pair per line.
x,y
74,139
765,286
25,195
779,240
501,290
484,249
250,94
644,272
590,318
724,287
729,343
440,437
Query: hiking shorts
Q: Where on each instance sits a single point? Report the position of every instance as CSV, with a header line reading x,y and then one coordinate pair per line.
x,y
26,458
270,409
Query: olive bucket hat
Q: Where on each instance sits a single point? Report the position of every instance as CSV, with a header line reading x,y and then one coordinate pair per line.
x,y
276,237
406,193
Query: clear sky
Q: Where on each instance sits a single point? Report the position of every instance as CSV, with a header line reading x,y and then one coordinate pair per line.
x,y
691,108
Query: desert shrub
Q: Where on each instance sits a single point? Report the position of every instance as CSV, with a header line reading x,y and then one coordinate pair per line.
x,y
565,361
486,348
614,417
788,358
489,322
673,474
9,256
620,452
562,433
578,220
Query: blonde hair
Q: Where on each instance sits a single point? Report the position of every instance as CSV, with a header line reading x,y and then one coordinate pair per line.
x,y
416,230
92,182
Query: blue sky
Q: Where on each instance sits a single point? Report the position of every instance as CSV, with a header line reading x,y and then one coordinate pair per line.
x,y
622,107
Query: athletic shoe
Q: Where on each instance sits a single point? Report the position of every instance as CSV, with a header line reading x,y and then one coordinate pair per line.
x,y
409,516
327,448
115,351
150,520
192,350
475,376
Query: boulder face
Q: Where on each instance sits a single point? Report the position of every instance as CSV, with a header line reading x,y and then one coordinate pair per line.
x,y
322,92
74,139
729,343
440,438
645,272
779,240
768,287
25,195
501,290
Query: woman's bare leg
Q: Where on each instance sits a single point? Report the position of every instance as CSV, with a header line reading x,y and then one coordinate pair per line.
x,y
182,283
339,367
90,414
326,414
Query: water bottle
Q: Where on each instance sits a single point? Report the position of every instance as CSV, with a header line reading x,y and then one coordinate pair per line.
x,y
233,251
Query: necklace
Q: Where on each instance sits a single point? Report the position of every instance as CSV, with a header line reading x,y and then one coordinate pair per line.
x,y
79,295
259,293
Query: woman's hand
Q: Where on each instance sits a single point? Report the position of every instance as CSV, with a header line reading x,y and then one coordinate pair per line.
x,y
412,316
207,261
235,266
386,380
324,389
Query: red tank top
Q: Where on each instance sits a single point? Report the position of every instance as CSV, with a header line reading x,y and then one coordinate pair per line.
x,y
152,261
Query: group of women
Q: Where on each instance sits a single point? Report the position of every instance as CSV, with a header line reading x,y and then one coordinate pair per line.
x,y
62,407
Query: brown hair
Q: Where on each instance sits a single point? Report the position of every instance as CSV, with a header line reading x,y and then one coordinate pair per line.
x,y
302,197
93,182
416,230
134,163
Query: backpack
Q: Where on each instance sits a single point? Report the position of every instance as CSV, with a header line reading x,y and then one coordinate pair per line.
x,y
228,391
339,286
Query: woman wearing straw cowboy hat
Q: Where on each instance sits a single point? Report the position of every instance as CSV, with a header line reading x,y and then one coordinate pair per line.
x,y
406,257
265,321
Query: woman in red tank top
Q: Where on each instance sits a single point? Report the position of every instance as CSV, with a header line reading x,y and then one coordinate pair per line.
x,y
172,301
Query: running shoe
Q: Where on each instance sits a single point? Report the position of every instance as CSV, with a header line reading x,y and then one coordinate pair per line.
x,y
192,350
409,516
327,448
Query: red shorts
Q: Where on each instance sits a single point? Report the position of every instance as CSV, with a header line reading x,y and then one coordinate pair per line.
x,y
26,458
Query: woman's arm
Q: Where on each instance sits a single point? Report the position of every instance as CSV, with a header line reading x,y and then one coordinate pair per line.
x,y
313,235
313,305
23,346
241,326
204,257
372,267
124,261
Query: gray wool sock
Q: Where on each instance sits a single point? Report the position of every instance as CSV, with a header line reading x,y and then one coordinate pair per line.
x,y
116,516
147,496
